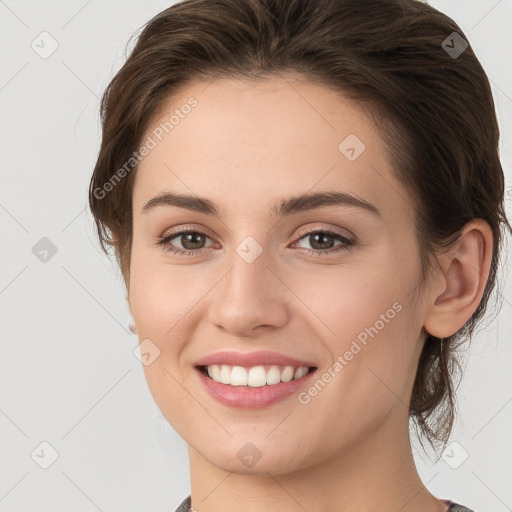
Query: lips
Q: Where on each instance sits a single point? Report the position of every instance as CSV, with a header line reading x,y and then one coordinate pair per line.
x,y
250,359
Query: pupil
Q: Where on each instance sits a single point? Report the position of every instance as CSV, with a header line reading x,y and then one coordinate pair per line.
x,y
322,238
189,237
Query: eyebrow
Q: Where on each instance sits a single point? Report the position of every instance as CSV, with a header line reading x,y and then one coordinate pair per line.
x,y
282,208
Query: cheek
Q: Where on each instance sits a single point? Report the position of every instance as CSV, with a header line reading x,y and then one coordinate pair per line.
x,y
367,321
161,295
159,306
348,300
162,303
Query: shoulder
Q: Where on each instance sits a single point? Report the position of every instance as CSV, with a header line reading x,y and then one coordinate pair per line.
x,y
185,505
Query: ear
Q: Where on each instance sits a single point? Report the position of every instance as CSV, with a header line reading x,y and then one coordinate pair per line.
x,y
466,269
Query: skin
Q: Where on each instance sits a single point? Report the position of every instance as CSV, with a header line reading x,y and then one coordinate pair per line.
x,y
244,146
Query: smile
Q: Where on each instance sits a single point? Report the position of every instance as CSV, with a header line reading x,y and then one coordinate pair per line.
x,y
256,376
240,393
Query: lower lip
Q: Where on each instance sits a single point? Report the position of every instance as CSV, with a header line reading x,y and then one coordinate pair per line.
x,y
248,397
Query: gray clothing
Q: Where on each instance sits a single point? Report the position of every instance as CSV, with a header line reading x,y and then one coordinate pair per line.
x,y
454,507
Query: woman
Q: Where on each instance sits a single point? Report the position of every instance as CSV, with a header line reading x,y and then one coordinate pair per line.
x,y
306,202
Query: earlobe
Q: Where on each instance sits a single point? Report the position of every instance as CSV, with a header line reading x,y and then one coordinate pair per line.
x,y
131,325
466,270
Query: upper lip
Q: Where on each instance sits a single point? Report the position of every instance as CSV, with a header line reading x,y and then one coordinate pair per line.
x,y
250,359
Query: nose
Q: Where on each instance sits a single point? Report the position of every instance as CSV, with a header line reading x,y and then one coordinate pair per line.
x,y
250,298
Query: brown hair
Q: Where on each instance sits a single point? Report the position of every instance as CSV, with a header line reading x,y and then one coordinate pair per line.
x,y
396,58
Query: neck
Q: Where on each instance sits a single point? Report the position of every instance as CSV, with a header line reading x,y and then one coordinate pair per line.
x,y
376,472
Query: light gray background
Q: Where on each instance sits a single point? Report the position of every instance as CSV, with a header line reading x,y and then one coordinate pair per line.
x,y
68,375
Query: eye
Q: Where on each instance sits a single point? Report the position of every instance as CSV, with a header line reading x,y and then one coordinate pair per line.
x,y
193,241
322,241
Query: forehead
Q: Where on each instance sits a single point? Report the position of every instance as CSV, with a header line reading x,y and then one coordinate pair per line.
x,y
247,139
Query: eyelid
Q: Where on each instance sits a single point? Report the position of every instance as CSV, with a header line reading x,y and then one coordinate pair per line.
x,y
186,227
299,234
336,231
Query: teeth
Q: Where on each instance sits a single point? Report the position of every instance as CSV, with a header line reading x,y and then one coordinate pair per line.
x,y
256,376
287,374
225,374
300,372
238,376
273,375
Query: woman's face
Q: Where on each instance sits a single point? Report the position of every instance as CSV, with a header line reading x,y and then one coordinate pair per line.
x,y
254,277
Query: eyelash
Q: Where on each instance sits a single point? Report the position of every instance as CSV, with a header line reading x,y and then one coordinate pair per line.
x,y
163,242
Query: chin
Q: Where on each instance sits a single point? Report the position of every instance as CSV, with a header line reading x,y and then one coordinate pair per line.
x,y
255,459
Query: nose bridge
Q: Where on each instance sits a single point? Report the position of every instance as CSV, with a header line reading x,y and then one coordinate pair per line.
x,y
249,251
250,295
248,279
